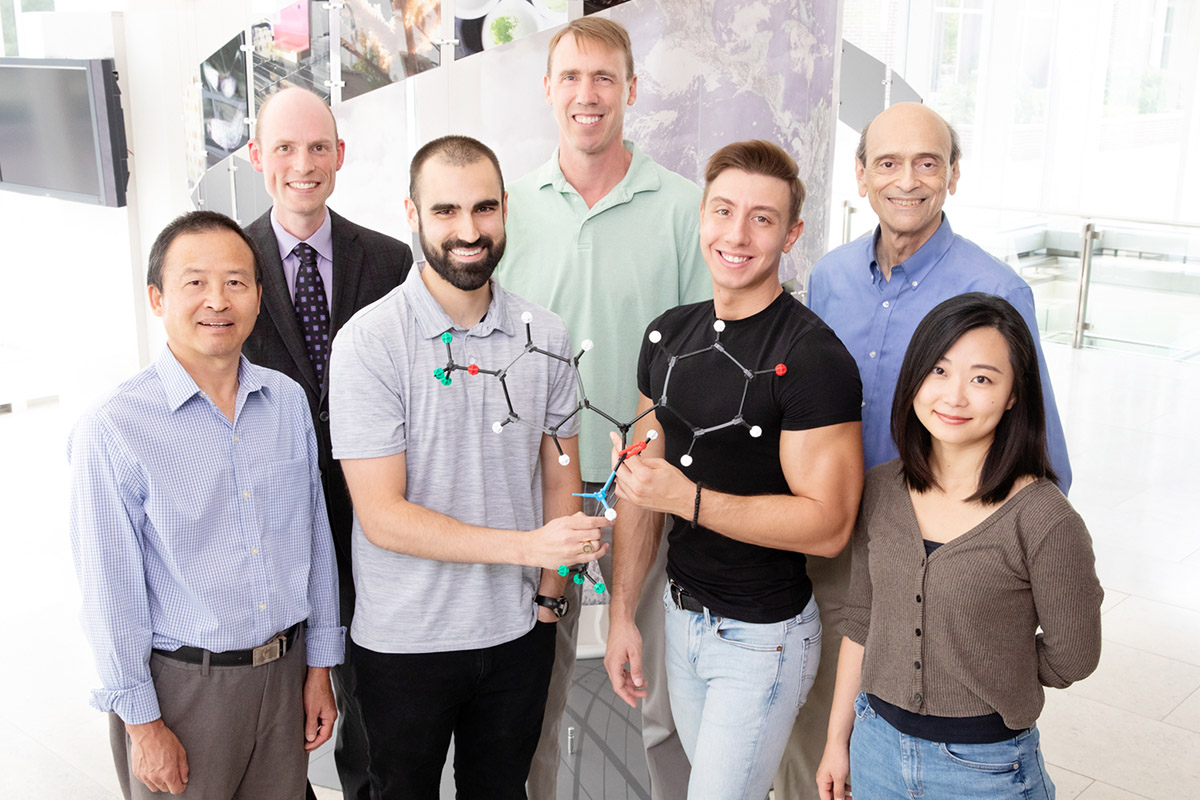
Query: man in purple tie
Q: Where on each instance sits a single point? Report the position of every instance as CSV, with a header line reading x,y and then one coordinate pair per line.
x,y
319,268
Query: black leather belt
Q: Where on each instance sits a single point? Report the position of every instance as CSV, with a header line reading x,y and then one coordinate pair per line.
x,y
275,648
683,600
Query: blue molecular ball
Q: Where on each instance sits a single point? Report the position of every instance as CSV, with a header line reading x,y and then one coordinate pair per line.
x,y
447,337
563,570
579,579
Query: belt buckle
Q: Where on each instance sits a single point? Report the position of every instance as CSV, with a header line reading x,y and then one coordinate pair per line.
x,y
677,595
271,651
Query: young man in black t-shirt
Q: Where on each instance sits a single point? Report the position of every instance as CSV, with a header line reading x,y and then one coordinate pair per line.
x,y
760,462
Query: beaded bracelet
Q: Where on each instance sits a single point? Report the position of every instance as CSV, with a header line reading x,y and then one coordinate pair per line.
x,y
696,509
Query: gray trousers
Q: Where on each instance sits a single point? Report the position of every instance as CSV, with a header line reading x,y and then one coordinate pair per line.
x,y
241,727
796,778
668,765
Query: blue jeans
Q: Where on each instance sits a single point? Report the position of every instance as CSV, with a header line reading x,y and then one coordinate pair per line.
x,y
735,690
887,764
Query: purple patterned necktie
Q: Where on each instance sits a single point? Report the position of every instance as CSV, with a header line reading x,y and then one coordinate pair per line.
x,y
312,310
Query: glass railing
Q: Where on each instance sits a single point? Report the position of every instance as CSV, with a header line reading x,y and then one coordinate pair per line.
x,y
1106,282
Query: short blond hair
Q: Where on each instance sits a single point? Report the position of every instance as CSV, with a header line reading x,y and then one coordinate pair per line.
x,y
595,30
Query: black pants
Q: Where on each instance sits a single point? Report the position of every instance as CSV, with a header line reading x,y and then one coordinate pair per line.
x,y
491,700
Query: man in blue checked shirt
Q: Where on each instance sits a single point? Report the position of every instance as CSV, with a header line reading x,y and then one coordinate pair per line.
x,y
202,545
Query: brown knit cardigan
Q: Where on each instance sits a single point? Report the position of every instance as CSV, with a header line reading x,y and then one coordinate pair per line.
x,y
957,634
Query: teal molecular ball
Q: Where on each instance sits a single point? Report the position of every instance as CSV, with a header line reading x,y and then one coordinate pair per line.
x,y
439,373
447,337
599,588
446,381
563,570
579,579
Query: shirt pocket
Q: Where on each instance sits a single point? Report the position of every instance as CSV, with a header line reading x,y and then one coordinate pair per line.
x,y
284,493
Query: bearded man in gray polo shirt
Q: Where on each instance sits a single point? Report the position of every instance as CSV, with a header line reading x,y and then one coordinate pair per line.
x,y
454,567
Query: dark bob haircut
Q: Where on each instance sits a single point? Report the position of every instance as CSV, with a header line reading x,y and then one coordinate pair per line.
x,y
195,222
1019,446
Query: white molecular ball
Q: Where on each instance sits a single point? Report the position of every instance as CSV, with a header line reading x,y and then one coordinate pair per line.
x,y
610,514
655,337
527,318
756,431
651,435
719,325
564,459
586,344
686,460
497,427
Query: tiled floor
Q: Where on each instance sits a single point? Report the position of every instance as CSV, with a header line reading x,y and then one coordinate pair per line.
x,y
1132,730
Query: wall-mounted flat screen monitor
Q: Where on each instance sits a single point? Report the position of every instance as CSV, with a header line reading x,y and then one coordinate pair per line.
x,y
62,132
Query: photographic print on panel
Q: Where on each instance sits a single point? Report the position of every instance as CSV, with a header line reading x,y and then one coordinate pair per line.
x,y
483,24
594,6
224,101
384,41
291,48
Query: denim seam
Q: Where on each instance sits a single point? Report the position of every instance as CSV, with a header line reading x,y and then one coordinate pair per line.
x,y
982,766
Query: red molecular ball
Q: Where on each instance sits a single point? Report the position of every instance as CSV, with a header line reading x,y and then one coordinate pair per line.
x,y
781,369
473,369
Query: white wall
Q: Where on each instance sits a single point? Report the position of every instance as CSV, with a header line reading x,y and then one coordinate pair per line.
x,y
88,261
69,299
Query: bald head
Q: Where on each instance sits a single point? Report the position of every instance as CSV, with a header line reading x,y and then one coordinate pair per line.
x,y
287,102
911,117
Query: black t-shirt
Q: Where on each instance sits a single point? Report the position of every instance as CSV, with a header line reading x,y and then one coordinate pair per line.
x,y
820,387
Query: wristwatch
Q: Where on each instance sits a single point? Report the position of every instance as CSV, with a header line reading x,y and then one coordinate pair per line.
x,y
558,605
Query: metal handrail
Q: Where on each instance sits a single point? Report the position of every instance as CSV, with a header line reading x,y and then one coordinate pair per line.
x,y
1090,234
848,210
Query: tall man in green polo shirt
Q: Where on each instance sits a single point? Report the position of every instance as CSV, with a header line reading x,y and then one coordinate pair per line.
x,y
607,239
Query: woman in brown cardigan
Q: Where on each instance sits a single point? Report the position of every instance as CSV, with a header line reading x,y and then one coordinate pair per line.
x,y
963,550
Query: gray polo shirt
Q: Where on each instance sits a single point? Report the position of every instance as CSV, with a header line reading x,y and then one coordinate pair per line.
x,y
384,399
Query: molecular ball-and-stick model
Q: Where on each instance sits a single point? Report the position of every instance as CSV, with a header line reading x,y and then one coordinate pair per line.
x,y
602,494
443,375
655,337
578,574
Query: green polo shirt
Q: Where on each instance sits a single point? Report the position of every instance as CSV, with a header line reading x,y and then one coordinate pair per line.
x,y
607,271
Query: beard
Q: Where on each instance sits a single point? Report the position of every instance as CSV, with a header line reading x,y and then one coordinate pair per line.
x,y
467,277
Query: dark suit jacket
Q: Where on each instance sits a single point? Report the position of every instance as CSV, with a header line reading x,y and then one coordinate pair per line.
x,y
366,266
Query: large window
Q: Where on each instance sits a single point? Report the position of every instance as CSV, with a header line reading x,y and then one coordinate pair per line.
x,y
1069,111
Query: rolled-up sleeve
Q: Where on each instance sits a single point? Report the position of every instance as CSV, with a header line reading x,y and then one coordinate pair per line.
x,y
105,526
326,638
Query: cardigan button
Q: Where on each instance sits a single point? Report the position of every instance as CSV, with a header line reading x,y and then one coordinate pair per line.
x,y
917,698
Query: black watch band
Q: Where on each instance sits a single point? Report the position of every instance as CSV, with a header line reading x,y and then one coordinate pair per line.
x,y
558,605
